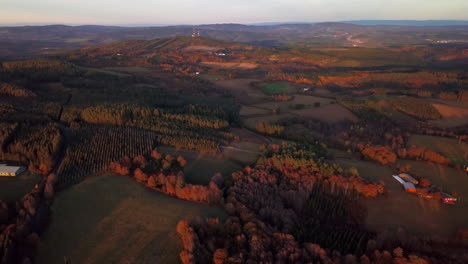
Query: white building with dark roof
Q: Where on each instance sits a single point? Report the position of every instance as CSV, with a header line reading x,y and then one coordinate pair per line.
x,y
10,171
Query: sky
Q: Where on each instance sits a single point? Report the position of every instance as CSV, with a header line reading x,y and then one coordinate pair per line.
x,y
167,12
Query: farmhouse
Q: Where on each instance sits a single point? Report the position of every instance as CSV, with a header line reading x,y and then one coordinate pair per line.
x,y
409,187
10,171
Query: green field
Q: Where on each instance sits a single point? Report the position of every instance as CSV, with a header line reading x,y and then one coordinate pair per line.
x,y
112,219
400,209
13,188
277,88
449,147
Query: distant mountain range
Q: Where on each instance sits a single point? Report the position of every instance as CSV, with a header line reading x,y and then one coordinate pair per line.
x,y
26,40
417,23
354,22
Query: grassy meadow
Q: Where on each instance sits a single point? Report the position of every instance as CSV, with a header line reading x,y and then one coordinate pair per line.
x,y
13,188
417,215
113,219
449,147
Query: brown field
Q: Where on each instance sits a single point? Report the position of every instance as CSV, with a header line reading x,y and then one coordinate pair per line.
x,y
331,113
113,219
452,116
243,91
250,110
322,91
400,209
447,146
246,135
236,84
201,48
231,65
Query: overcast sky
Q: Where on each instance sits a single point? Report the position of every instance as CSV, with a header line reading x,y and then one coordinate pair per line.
x,y
224,11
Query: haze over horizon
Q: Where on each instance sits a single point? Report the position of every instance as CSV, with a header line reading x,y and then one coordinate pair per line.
x,y
146,12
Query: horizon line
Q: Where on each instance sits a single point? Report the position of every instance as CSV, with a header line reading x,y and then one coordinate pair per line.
x,y
451,21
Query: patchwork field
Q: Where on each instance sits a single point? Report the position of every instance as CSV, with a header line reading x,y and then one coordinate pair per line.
x,y
13,188
251,110
331,113
400,209
449,147
112,219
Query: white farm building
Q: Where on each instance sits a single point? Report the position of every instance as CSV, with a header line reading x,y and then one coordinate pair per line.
x,y
10,171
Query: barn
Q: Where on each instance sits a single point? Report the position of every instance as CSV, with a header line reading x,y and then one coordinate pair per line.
x,y
409,187
408,178
10,171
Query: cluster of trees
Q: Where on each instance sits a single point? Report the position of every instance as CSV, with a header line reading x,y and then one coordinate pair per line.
x,y
192,127
131,114
269,129
425,154
92,148
417,108
305,165
22,223
385,155
36,144
37,70
382,154
15,90
164,173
